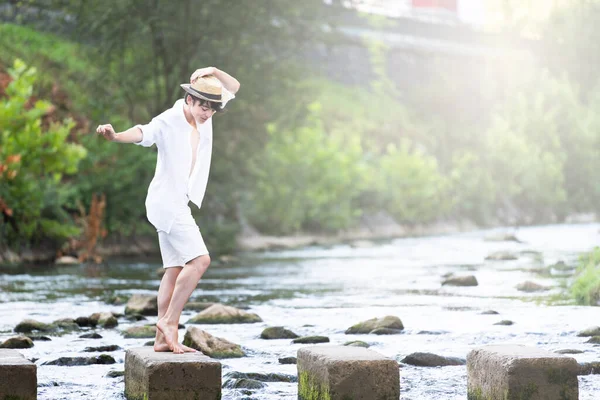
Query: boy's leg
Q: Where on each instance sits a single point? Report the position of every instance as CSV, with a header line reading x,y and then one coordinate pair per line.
x,y
185,284
165,291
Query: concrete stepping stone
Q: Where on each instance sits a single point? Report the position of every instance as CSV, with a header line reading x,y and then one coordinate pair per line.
x,y
513,372
18,376
343,372
163,375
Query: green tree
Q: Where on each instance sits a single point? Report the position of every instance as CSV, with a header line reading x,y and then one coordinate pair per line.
x,y
33,162
307,178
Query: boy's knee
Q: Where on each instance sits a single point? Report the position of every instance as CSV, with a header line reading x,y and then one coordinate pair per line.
x,y
201,263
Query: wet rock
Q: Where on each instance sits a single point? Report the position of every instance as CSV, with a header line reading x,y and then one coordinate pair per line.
x,y
198,305
502,237
210,345
117,300
115,374
431,360
386,331
311,339
37,338
568,351
101,349
592,331
468,280
490,312
140,332
589,368
92,335
221,314
136,317
594,340
288,360
560,266
67,260
17,342
104,319
149,343
502,256
76,361
86,322
142,304
505,322
243,383
530,287
357,343
277,332
30,325
370,325
273,377
66,324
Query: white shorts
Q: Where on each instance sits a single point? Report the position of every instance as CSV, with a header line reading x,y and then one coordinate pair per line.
x,y
183,243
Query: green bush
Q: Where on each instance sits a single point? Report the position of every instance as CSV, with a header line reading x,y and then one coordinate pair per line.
x,y
586,286
408,184
34,161
307,178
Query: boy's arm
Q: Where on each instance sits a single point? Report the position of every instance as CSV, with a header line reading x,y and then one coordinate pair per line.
x,y
131,135
228,81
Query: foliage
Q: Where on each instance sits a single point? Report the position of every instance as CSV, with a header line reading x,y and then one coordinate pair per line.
x,y
33,161
409,185
586,286
307,178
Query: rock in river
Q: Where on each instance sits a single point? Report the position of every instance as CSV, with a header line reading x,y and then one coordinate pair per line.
x,y
17,342
142,304
277,332
431,360
221,314
372,324
210,345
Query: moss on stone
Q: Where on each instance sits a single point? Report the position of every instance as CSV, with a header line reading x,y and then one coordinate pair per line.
x,y
140,332
475,394
308,389
526,393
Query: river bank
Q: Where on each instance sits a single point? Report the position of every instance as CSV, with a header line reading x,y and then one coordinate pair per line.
x,y
379,227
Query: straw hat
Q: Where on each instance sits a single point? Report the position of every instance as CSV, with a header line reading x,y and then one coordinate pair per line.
x,y
206,87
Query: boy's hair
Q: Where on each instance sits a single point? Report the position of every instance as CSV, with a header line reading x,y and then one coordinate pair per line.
x,y
215,106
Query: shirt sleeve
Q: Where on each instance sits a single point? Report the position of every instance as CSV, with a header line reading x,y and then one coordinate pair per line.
x,y
150,133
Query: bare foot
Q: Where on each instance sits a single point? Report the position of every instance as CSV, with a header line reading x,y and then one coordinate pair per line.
x,y
160,345
163,346
169,332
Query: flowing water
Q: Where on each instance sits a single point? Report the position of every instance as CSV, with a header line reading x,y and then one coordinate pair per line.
x,y
323,291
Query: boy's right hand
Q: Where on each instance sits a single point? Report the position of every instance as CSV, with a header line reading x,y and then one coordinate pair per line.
x,y
107,131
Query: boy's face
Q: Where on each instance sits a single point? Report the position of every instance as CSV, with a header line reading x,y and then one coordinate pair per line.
x,y
200,111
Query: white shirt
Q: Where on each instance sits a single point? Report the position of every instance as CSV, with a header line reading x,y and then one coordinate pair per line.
x,y
173,185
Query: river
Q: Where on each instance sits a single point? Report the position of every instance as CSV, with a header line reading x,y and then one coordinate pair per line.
x,y
323,291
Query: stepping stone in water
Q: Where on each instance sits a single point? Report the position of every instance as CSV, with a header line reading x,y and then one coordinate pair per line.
x,y
18,376
342,372
499,372
163,375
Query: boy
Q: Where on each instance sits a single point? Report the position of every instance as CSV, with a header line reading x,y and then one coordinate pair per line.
x,y
183,136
